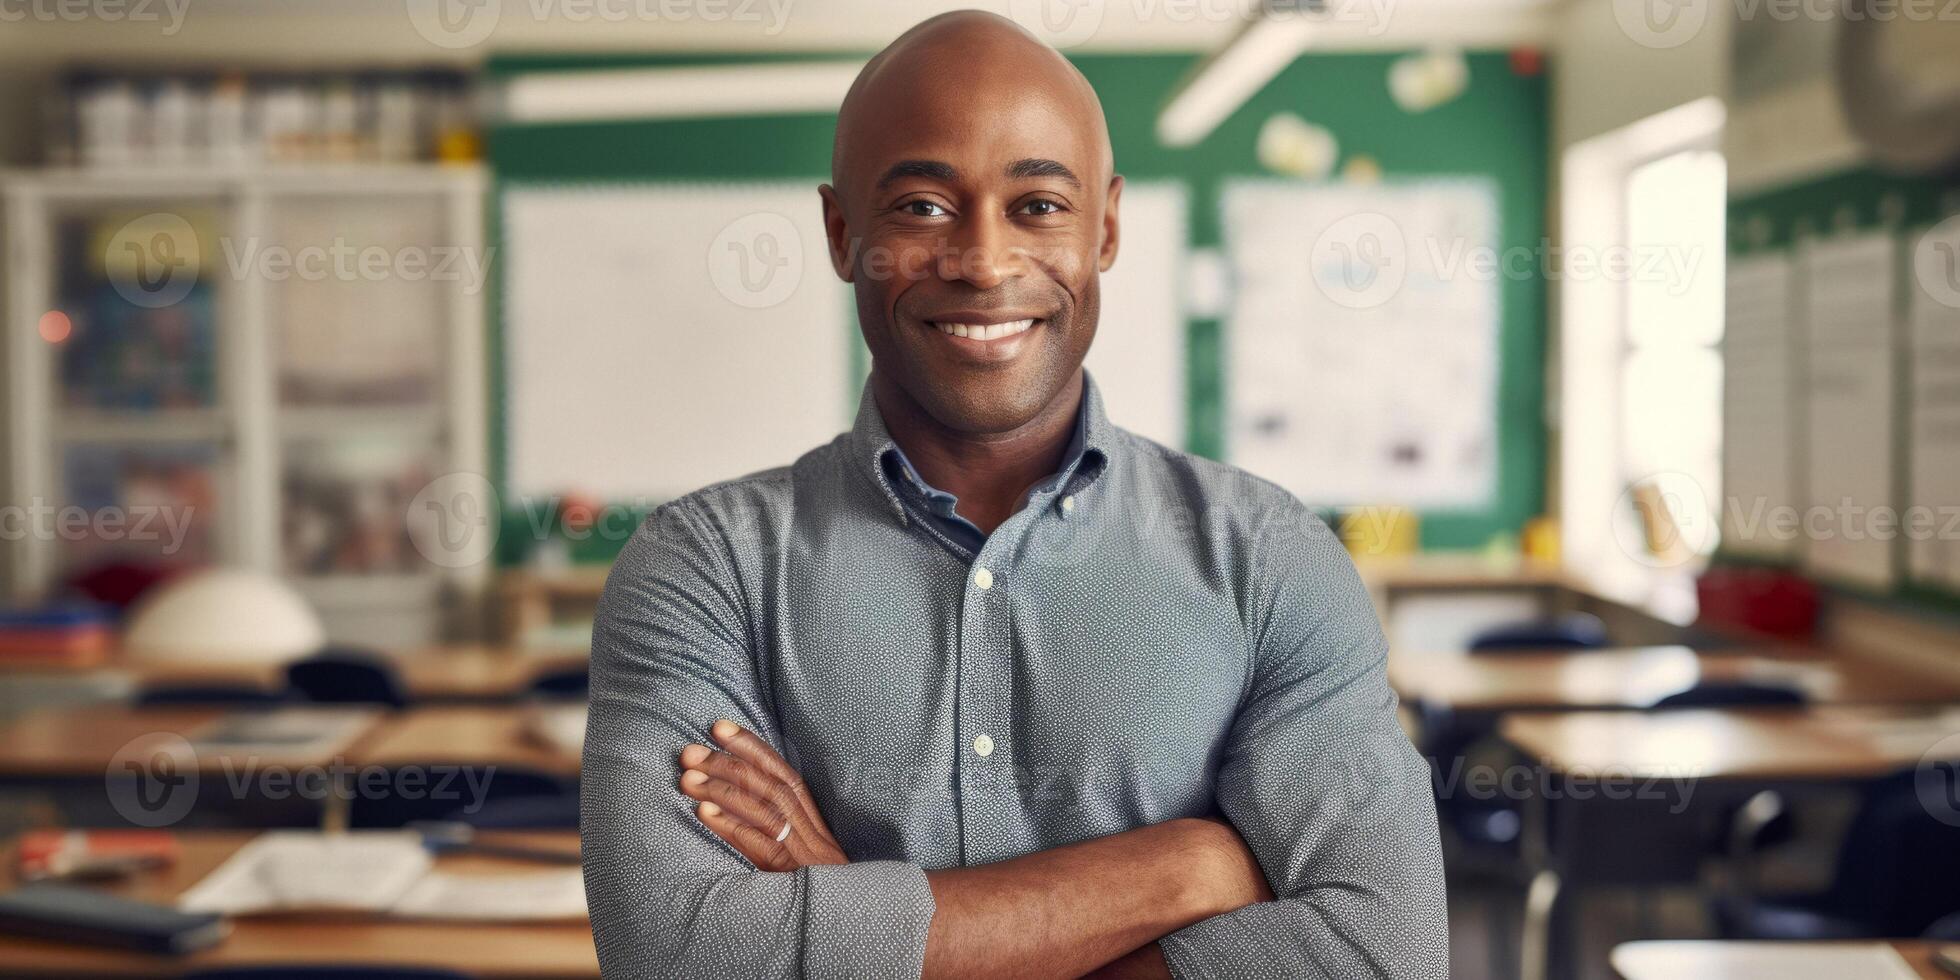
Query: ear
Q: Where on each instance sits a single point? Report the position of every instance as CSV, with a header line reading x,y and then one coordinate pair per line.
x,y
835,233
1111,231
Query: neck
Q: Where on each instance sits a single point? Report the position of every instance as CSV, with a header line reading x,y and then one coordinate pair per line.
x,y
987,471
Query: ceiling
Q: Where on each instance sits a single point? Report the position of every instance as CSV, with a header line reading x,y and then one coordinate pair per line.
x,y
302,31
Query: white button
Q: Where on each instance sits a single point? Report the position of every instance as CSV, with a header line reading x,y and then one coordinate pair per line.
x,y
983,746
985,580
1068,503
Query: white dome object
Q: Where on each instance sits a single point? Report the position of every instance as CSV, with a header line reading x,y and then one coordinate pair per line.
x,y
224,615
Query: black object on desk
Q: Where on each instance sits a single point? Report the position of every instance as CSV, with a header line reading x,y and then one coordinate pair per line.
x,y
66,913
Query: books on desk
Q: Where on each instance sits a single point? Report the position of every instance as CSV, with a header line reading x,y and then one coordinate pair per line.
x,y
54,637
384,873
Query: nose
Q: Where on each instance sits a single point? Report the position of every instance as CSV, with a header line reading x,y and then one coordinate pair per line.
x,y
981,251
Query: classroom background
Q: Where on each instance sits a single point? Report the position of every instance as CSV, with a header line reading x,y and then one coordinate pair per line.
x,y
347,343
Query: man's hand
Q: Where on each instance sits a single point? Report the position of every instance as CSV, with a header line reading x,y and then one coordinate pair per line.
x,y
753,800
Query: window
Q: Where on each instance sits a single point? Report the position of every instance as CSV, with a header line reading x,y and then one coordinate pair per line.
x,y
1640,366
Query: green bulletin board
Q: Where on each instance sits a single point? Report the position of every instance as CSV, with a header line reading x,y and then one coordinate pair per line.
x,y
1496,130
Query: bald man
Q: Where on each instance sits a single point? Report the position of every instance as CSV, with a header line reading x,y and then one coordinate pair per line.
x,y
988,686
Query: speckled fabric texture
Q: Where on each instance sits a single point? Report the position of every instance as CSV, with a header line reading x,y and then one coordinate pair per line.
x,y
1153,635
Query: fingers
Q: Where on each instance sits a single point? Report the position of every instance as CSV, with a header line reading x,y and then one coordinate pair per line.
x,y
762,814
739,773
750,748
763,852
745,745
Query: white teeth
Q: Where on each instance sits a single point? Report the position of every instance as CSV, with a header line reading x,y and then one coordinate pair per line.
x,y
987,331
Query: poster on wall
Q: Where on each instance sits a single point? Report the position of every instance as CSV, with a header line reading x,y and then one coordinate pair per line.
x,y
1361,341
1758,390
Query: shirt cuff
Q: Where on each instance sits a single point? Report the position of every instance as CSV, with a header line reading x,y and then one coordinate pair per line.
x,y
1229,945
866,919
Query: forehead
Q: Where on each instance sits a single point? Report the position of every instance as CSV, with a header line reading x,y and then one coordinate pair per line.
x,y
977,118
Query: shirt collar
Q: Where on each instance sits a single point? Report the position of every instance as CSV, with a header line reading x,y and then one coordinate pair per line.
x,y
1088,450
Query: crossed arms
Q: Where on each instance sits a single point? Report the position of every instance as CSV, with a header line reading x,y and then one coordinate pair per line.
x,y
1328,867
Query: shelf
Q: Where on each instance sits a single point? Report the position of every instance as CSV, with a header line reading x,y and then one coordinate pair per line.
x,y
90,183
406,422
173,426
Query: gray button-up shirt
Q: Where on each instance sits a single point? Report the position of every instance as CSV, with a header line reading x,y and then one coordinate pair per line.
x,y
1153,635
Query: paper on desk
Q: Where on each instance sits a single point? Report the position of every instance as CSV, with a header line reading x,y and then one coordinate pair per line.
x,y
561,726
1765,961
293,730
292,871
532,896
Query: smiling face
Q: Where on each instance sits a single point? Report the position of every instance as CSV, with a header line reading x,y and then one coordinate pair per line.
x,y
973,209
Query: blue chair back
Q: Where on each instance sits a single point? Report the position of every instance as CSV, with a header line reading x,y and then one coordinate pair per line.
x,y
1566,631
569,684
325,973
228,695
512,798
1898,870
1734,695
343,675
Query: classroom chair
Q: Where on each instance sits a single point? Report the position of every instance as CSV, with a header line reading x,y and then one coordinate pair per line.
x,y
1897,874
347,675
1566,631
513,797
570,684
1734,695
1947,930
216,695
325,973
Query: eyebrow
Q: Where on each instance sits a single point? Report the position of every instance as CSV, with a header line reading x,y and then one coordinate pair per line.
x,y
929,169
1032,167
1037,167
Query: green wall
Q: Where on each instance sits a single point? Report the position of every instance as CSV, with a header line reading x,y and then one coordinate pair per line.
x,y
1496,130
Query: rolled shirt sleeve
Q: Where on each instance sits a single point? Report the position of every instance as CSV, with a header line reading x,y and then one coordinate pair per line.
x,y
1321,782
670,655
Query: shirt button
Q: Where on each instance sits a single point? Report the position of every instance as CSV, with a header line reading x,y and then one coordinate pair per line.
x,y
1068,503
983,746
985,580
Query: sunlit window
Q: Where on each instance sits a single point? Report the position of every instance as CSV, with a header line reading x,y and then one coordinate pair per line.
x,y
1671,367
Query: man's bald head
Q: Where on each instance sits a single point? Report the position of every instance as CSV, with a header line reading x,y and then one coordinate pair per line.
x,y
948,58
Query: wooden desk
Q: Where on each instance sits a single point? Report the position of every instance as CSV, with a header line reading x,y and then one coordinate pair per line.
x,y
1454,572
462,735
83,741
1701,960
1735,750
1824,743
1637,677
547,950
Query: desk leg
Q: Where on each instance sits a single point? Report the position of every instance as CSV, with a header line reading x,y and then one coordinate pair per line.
x,y
1535,947
1535,944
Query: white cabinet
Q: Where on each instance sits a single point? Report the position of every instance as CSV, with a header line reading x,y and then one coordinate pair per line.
x,y
262,368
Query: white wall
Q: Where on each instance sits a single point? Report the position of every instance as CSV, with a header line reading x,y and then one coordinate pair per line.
x,y
1603,79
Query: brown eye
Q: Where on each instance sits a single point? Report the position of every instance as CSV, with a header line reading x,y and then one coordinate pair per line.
x,y
922,209
1043,208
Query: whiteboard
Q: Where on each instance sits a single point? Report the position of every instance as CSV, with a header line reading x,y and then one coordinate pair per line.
x,y
1850,326
659,338
1361,341
1138,358
1933,546
1758,392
